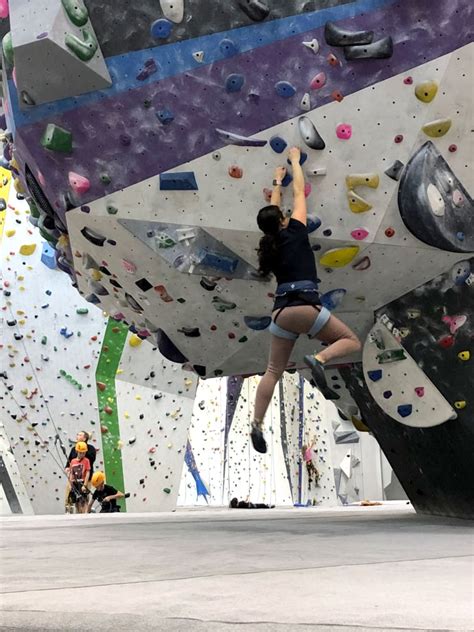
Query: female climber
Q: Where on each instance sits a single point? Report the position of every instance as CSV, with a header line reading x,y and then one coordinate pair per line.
x,y
285,251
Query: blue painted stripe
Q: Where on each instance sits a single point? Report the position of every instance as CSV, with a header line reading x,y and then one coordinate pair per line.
x,y
177,58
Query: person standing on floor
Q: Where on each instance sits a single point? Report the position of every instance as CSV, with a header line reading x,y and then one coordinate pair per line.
x,y
285,251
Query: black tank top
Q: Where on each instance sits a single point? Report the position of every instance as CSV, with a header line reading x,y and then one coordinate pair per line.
x,y
295,257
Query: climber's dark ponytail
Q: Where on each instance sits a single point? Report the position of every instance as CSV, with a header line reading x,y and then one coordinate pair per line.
x,y
269,221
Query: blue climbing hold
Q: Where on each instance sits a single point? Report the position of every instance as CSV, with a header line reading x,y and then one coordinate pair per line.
x,y
257,323
234,83
64,332
404,410
285,89
165,116
161,29
312,224
460,236
375,376
387,394
303,158
179,181
331,300
228,48
217,261
48,256
288,179
278,144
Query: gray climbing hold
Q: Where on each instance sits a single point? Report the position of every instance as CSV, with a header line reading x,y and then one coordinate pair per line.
x,y
235,139
256,10
173,10
178,181
395,171
381,49
312,45
310,134
336,36
305,103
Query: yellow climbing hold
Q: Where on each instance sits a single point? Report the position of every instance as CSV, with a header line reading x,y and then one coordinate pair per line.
x,y
134,341
362,180
460,404
10,233
438,128
339,257
18,185
426,91
357,204
27,249
96,275
464,355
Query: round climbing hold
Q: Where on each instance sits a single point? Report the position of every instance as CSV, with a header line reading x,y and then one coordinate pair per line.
x,y
398,139
408,81
445,342
234,83
344,131
452,148
464,355
460,235
389,232
213,328
216,155
360,234
285,89
228,48
231,335
327,232
426,91
235,171
161,29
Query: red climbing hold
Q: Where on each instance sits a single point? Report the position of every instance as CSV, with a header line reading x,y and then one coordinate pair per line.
x,y
108,410
333,60
398,139
453,148
213,328
337,95
231,335
446,341
408,81
163,293
101,386
235,171
389,232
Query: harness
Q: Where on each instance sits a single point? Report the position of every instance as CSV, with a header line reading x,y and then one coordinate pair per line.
x,y
307,292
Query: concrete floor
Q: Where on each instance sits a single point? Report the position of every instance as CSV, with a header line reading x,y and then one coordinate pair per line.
x,y
362,568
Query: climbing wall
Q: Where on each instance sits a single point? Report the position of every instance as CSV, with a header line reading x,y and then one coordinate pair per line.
x,y
147,190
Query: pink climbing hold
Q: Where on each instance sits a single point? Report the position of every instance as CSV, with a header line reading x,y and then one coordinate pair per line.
x,y
408,81
14,76
453,148
344,131
41,179
454,322
420,390
458,198
360,234
398,138
79,184
128,266
318,81
307,189
4,9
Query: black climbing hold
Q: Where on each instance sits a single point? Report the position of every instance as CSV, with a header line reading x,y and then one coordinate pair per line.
x,y
93,237
208,284
133,304
387,394
312,224
234,83
327,232
168,349
375,376
395,171
310,134
144,285
255,9
278,144
336,36
200,370
115,283
257,323
190,332
92,298
381,49
179,181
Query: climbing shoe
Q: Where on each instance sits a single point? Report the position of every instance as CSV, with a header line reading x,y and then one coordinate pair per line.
x,y
317,372
258,440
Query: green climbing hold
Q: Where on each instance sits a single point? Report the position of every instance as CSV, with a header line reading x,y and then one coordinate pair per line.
x,y
82,310
7,46
44,340
391,355
76,11
167,490
243,339
34,210
111,209
105,178
56,138
85,48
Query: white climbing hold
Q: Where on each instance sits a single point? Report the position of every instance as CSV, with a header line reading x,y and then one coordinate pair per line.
x,y
316,171
312,45
199,56
173,10
306,102
436,200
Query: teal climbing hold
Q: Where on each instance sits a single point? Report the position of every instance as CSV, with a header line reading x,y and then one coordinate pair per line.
x,y
285,89
84,48
234,83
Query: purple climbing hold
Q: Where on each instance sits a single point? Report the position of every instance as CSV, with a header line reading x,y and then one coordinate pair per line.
x,y
278,144
375,376
234,83
285,89
404,410
161,29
